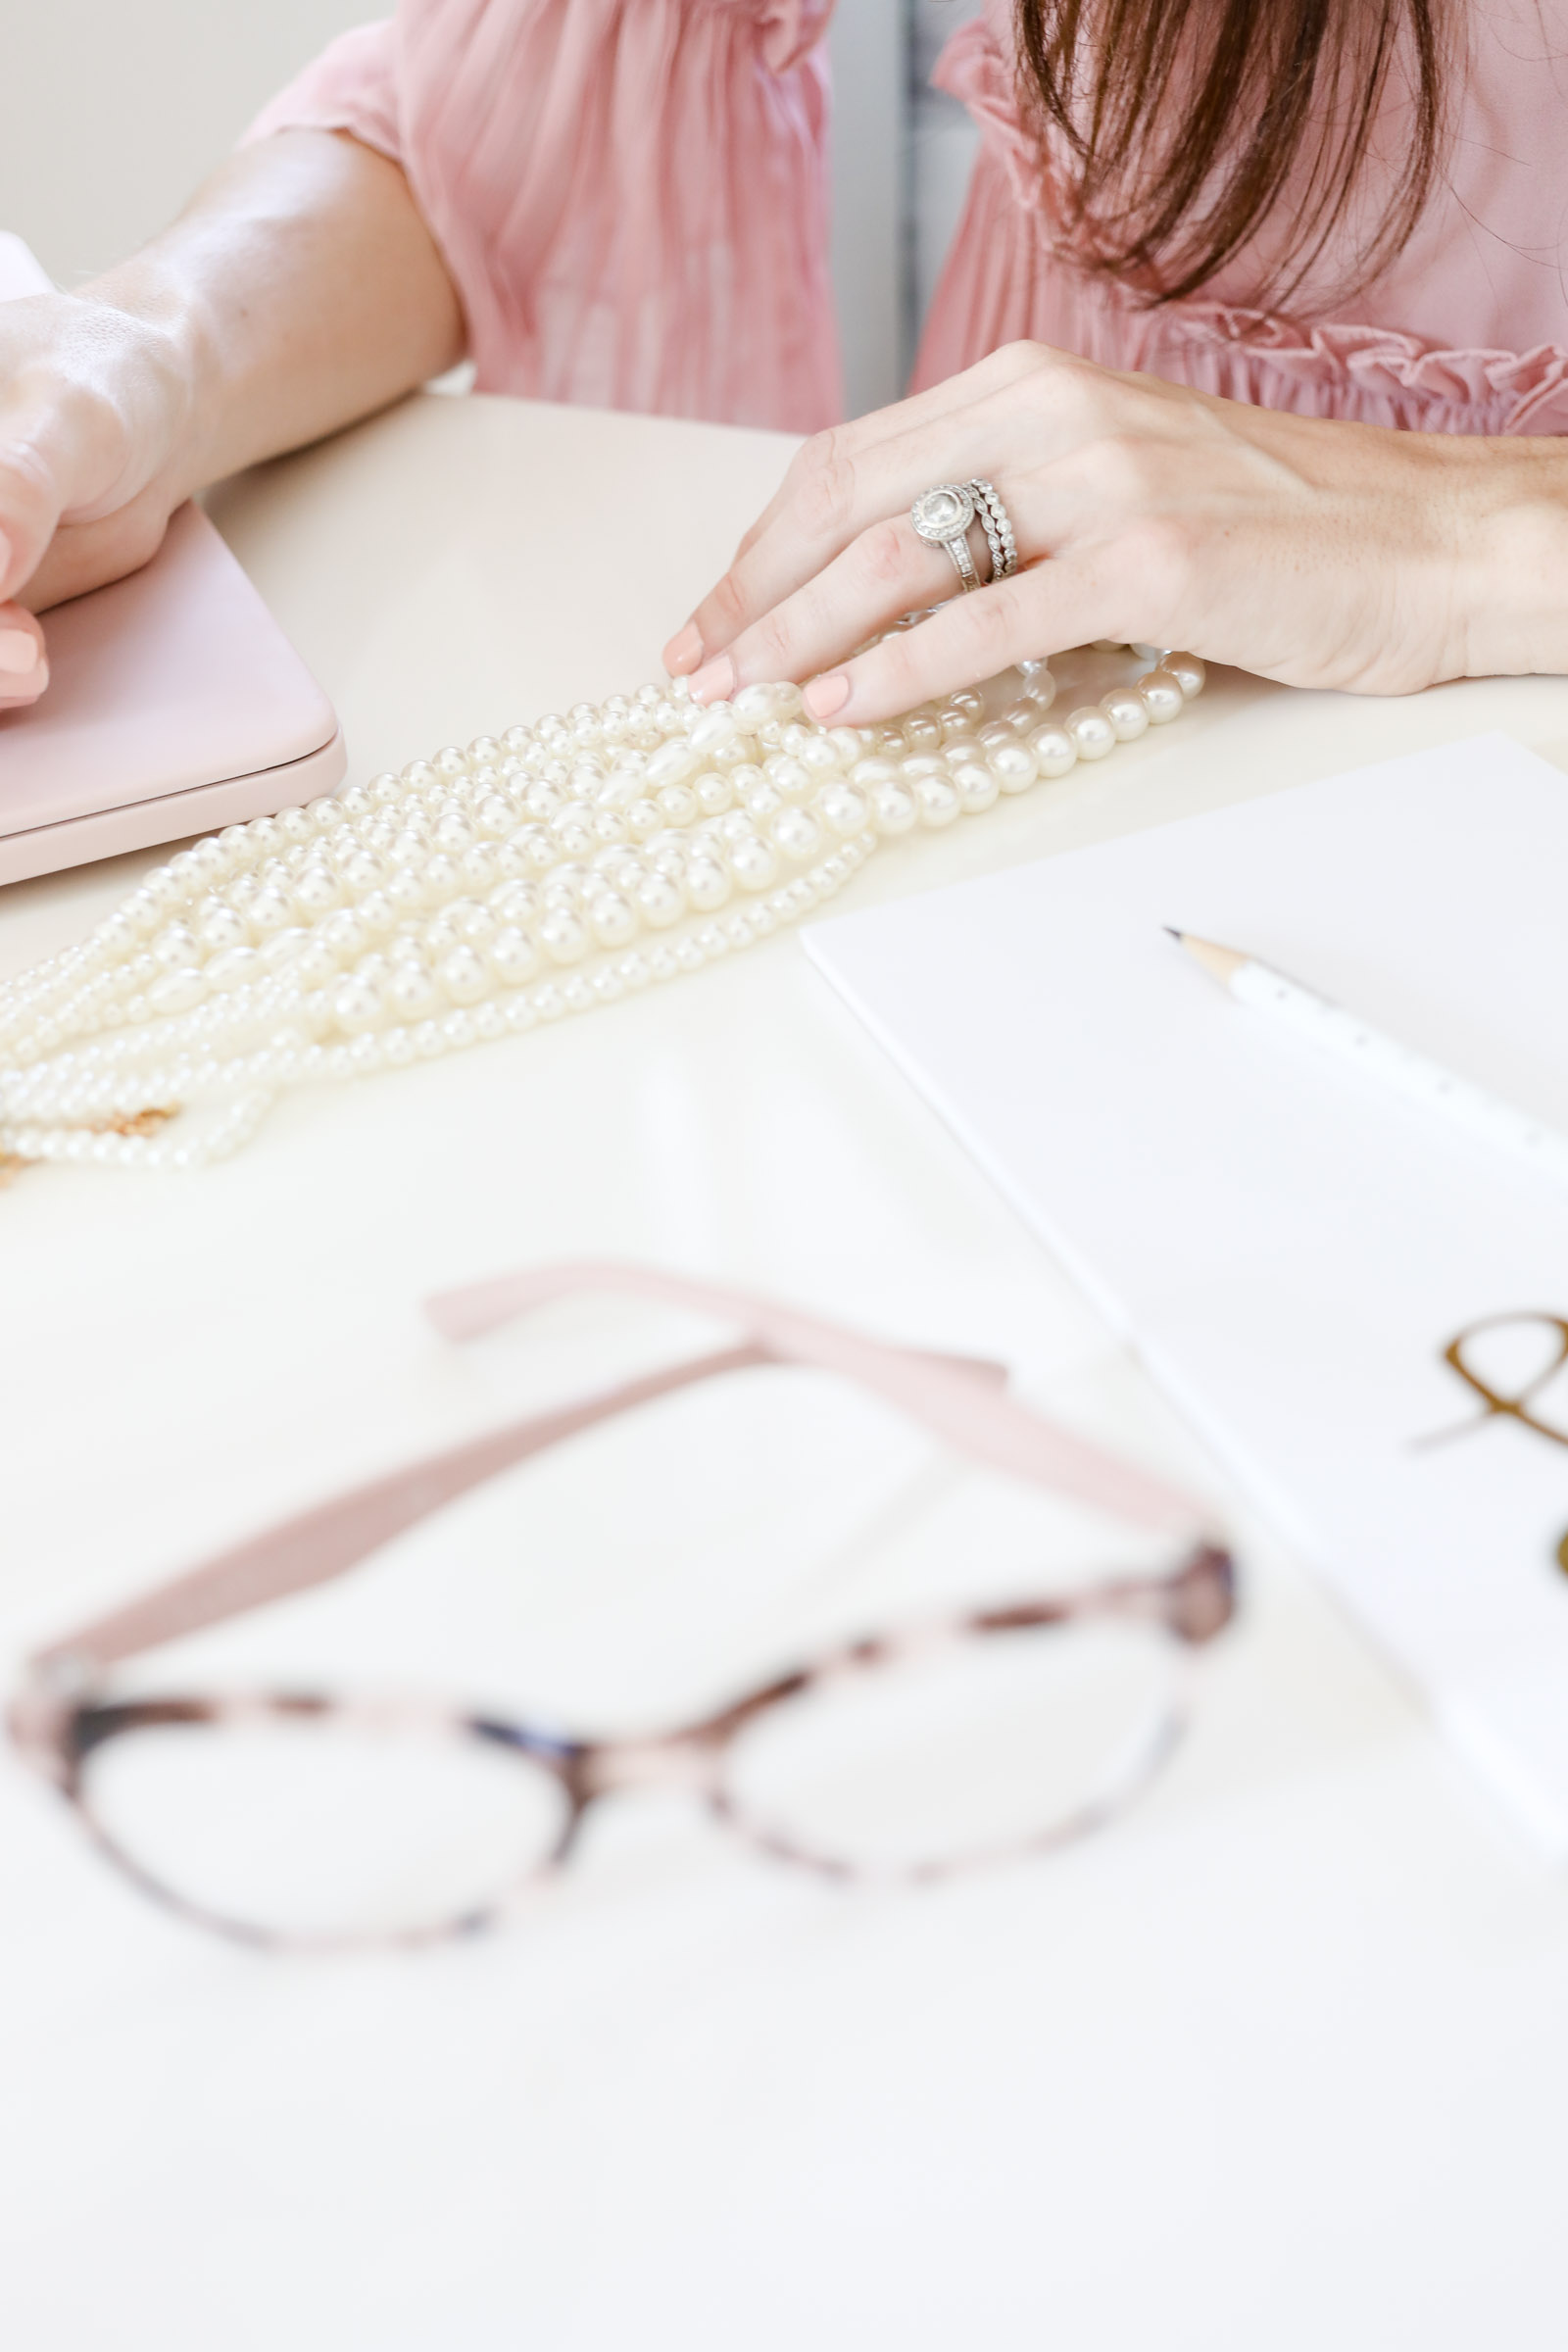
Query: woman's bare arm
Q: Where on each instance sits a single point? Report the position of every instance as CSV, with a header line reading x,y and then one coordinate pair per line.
x,y
299,290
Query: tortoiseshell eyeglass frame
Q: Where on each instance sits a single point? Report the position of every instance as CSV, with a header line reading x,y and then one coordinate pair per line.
x,y
63,1714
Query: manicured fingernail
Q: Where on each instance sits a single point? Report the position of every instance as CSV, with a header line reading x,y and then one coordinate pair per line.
x,y
683,653
19,653
16,694
715,683
826,697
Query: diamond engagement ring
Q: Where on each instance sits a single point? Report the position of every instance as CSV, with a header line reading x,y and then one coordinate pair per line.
x,y
940,517
943,515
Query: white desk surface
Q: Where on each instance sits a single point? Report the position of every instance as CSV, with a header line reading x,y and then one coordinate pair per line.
x,y
1281,2061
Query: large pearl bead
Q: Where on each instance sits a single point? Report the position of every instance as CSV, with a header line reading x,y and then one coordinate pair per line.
x,y
1093,735
1127,712
1013,764
1161,696
1055,751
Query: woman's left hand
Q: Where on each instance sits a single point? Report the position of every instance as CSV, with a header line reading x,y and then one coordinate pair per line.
x,y
1318,553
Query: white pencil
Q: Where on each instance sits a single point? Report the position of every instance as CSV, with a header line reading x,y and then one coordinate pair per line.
x,y
1330,1025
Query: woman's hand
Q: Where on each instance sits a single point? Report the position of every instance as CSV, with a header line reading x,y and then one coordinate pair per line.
x,y
299,290
1318,553
94,410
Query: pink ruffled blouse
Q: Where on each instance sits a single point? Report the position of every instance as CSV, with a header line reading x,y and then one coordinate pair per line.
x,y
631,196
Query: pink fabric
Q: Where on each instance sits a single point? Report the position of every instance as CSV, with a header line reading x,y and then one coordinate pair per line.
x,y
1467,331
631,197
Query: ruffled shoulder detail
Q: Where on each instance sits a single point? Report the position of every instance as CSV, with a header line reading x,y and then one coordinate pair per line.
x,y
975,69
1495,391
790,28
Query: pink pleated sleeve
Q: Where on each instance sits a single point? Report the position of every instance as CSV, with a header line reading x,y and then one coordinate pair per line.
x,y
631,195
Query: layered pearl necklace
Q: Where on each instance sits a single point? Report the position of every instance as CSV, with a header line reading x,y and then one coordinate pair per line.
x,y
481,893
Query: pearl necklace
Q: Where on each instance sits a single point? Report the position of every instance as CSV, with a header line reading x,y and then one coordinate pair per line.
x,y
481,893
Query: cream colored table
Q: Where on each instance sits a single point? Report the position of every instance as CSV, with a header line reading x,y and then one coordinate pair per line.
x,y
1279,2062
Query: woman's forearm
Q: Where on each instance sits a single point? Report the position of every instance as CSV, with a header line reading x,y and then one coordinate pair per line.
x,y
1511,509
301,289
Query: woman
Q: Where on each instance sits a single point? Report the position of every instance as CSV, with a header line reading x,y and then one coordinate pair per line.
x,y
1256,321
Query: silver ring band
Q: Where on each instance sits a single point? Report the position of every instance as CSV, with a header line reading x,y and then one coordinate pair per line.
x,y
962,562
998,529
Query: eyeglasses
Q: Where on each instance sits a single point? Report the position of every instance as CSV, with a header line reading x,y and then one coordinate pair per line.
x,y
308,1821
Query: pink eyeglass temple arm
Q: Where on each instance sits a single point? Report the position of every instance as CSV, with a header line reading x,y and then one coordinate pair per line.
x,y
958,1397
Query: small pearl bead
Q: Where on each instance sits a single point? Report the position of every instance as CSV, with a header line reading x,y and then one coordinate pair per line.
x,y
1092,732
1188,672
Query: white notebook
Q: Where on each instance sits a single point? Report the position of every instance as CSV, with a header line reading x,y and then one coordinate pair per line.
x,y
1291,1248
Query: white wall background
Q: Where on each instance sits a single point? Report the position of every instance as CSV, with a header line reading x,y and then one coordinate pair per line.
x,y
112,110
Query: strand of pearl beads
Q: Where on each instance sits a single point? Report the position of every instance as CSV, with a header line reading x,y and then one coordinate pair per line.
x,y
482,893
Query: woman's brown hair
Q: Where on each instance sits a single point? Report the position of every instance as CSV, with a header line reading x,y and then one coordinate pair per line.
x,y
1188,119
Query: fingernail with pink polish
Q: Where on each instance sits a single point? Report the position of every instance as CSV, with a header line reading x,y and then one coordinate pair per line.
x,y
715,682
827,697
684,652
19,653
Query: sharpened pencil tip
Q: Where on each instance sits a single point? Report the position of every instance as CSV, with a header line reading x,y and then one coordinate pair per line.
x,y
1171,932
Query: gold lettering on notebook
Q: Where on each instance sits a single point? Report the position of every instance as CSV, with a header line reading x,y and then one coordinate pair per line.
x,y
1514,1399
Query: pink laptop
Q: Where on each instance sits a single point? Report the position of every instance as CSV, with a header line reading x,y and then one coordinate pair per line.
x,y
175,704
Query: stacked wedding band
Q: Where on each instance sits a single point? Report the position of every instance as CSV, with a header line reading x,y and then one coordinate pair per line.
x,y
993,518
